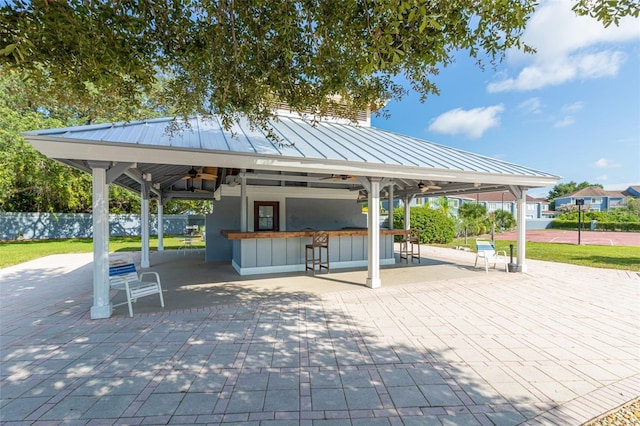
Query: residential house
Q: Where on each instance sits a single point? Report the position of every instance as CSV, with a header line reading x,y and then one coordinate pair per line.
x,y
598,199
537,208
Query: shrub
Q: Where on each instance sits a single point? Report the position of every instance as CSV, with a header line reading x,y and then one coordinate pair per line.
x,y
618,226
564,224
617,215
600,226
435,226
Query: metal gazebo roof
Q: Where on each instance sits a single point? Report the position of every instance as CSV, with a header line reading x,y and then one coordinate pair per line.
x,y
322,154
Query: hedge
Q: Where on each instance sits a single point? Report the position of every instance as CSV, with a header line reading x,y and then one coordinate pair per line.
x,y
618,226
600,226
434,225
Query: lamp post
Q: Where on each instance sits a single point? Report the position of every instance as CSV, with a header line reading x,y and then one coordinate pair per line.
x,y
579,203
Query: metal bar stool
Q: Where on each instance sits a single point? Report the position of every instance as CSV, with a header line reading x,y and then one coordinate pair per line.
x,y
319,241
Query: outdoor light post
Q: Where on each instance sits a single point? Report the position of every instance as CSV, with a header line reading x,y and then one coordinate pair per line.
x,y
579,203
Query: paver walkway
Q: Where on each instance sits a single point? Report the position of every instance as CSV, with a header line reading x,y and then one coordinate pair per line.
x,y
558,345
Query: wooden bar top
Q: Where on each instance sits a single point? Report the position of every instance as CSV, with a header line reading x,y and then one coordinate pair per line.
x,y
237,235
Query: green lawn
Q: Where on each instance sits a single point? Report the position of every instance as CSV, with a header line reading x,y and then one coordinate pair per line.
x,y
611,257
12,253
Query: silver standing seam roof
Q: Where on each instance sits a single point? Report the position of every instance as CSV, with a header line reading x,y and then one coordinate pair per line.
x,y
323,150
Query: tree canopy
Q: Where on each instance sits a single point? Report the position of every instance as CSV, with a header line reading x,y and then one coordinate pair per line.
x,y
30,182
567,188
240,57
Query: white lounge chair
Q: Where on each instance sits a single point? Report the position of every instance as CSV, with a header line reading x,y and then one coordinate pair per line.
x,y
487,252
123,276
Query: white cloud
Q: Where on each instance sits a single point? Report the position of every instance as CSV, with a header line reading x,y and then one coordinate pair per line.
x,y
602,178
603,163
531,106
569,47
472,123
567,121
562,70
574,107
569,110
601,64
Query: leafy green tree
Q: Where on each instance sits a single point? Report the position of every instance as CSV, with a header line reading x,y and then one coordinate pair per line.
x,y
30,182
474,218
607,12
241,57
122,201
188,206
633,206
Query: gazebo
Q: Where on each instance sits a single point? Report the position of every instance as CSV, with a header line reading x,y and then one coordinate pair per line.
x,y
327,162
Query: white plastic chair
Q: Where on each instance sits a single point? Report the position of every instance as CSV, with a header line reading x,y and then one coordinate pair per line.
x,y
123,276
487,252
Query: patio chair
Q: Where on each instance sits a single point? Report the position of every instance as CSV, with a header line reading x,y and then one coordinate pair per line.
x,y
319,242
188,244
124,277
487,252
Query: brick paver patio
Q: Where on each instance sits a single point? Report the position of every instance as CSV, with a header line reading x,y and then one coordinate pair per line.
x,y
558,345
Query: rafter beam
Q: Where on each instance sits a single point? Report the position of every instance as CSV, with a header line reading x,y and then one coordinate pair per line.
x,y
136,175
118,169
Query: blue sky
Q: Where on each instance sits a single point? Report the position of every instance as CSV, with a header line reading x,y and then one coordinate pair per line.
x,y
571,109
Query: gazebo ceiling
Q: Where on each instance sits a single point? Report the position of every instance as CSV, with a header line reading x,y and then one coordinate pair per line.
x,y
326,154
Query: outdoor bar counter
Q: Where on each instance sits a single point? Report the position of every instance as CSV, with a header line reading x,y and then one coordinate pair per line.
x,y
272,252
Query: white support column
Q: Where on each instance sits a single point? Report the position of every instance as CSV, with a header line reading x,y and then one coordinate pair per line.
x,y
160,224
144,225
101,304
243,203
390,209
407,212
521,220
373,236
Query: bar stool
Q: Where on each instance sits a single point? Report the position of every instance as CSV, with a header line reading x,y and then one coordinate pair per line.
x,y
319,241
414,240
404,245
410,245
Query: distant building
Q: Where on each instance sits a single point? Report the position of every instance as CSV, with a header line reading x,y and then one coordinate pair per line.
x,y
537,208
598,199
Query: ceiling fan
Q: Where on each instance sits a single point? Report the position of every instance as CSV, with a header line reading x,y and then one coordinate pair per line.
x,y
192,188
195,174
339,178
424,187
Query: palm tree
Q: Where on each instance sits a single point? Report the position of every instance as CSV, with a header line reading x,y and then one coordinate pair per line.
x,y
444,205
503,220
474,217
